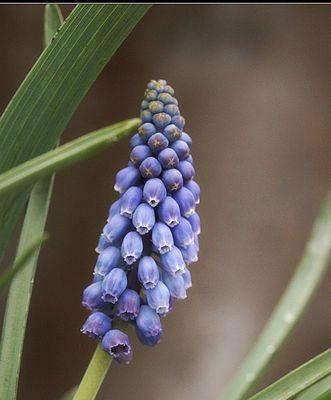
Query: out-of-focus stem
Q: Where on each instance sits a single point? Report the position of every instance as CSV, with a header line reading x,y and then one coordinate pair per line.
x,y
293,303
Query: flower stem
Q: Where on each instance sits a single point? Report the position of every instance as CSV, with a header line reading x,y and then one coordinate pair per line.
x,y
293,303
94,375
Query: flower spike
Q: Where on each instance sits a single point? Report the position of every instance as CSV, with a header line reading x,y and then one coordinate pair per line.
x,y
151,235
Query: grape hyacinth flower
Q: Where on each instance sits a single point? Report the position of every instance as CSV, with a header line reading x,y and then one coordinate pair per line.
x,y
97,325
151,235
116,344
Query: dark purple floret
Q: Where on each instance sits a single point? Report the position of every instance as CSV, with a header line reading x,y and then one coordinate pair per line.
x,y
114,209
172,262
150,168
195,189
169,212
172,179
168,158
126,178
194,220
130,200
190,253
154,192
168,89
116,344
146,131
187,278
97,278
151,94
157,142
103,243
146,116
186,169
96,325
139,153
92,296
183,233
148,272
151,234
176,285
143,218
114,285
186,138
190,159
172,133
132,247
158,298
156,106
161,120
171,109
152,84
179,121
148,326
136,140
162,237
186,201
107,260
116,228
167,98
181,148
128,305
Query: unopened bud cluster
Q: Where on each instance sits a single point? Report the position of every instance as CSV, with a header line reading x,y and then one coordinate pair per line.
x,y
151,235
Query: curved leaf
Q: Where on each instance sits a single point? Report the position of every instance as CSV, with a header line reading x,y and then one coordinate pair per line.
x,y
47,98
321,390
298,380
85,146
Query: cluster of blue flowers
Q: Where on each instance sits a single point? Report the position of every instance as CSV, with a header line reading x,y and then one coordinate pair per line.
x,y
151,235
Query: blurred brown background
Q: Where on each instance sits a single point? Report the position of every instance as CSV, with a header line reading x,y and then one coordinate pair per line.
x,y
254,86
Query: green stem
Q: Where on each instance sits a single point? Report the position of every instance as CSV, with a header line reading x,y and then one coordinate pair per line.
x,y
290,308
94,375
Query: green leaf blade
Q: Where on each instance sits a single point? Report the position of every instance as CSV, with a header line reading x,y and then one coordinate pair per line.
x,y
18,302
46,100
298,380
321,390
8,275
52,161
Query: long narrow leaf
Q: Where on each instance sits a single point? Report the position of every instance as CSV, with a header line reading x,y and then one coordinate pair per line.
x,y
46,100
52,21
18,301
321,390
9,273
298,380
293,303
85,146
